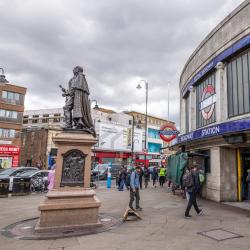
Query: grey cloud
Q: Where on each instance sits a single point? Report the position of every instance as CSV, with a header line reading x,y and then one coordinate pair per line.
x,y
117,43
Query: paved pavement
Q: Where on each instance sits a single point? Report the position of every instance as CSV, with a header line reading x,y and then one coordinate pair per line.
x,y
163,226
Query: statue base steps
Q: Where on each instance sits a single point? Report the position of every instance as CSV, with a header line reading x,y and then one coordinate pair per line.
x,y
67,209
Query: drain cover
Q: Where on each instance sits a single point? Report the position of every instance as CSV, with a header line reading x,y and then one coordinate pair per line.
x,y
220,234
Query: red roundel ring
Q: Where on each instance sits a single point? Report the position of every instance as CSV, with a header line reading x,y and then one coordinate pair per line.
x,y
209,89
169,138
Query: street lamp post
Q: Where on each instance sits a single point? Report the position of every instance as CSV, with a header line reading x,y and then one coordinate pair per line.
x,y
146,116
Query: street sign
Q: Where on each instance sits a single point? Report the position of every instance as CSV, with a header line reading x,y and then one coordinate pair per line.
x,y
168,132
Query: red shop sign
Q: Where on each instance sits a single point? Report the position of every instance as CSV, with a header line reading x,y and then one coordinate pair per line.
x,y
15,161
9,150
168,132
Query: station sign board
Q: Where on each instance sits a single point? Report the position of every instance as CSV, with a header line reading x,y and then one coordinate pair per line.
x,y
168,132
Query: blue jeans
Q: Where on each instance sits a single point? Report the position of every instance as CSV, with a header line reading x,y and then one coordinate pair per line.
x,y
121,185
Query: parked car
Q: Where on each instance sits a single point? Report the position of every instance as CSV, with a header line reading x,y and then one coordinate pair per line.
x,y
38,179
10,173
102,170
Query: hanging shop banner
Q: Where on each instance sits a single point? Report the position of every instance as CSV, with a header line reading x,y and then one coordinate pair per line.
x,y
219,129
168,132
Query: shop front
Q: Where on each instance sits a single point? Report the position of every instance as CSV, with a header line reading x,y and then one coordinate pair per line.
x,y
9,156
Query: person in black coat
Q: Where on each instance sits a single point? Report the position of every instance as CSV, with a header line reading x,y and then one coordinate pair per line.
x,y
193,190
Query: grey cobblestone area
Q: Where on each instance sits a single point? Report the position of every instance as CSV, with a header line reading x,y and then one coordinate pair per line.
x,y
163,226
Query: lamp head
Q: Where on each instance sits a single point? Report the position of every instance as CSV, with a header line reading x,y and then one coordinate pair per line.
x,y
139,86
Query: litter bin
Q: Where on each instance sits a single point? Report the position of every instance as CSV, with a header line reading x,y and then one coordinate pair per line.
x,y
4,187
21,186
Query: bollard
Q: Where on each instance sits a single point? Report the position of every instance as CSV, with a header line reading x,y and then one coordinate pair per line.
x,y
109,178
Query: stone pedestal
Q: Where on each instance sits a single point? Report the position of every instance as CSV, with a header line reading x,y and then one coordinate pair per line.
x,y
71,204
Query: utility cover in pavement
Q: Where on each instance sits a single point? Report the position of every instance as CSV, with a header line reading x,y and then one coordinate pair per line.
x,y
220,234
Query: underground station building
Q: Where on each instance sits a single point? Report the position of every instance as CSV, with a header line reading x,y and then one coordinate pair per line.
x,y
215,107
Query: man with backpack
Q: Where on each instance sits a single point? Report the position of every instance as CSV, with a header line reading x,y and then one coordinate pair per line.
x,y
192,186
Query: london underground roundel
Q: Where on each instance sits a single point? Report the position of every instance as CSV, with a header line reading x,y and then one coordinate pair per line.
x,y
207,104
168,132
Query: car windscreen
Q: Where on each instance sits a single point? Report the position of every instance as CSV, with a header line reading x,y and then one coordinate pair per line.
x,y
26,173
7,171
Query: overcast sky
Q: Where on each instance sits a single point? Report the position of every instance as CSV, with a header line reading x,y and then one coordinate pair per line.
x,y
118,43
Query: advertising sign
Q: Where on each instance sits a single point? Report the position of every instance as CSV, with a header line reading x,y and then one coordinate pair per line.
x,y
115,137
138,135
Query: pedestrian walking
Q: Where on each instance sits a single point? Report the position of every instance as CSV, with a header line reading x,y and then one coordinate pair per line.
x,y
134,189
51,177
155,176
140,177
162,176
192,185
146,176
128,175
122,178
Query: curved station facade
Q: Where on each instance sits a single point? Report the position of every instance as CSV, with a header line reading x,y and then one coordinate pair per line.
x,y
215,107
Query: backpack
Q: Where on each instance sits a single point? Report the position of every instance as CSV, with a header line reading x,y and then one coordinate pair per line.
x,y
146,173
187,180
201,177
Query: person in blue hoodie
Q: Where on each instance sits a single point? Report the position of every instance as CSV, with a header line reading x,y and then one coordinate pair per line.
x,y
134,189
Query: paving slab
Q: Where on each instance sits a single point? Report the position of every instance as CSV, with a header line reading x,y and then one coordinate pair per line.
x,y
162,227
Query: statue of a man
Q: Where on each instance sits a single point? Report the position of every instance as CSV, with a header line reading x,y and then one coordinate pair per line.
x,y
77,112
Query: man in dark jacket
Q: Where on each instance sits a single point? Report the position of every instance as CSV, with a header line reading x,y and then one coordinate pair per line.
x,y
192,191
155,176
146,176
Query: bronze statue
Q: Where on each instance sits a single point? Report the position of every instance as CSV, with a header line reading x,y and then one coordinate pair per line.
x,y
77,114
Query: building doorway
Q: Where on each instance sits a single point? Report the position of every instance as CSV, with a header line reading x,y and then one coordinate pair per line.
x,y
245,167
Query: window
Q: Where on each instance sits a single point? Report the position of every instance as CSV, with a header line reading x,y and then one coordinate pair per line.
x,y
238,85
12,97
46,120
206,101
154,147
25,121
8,114
35,121
153,133
187,113
7,133
56,120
